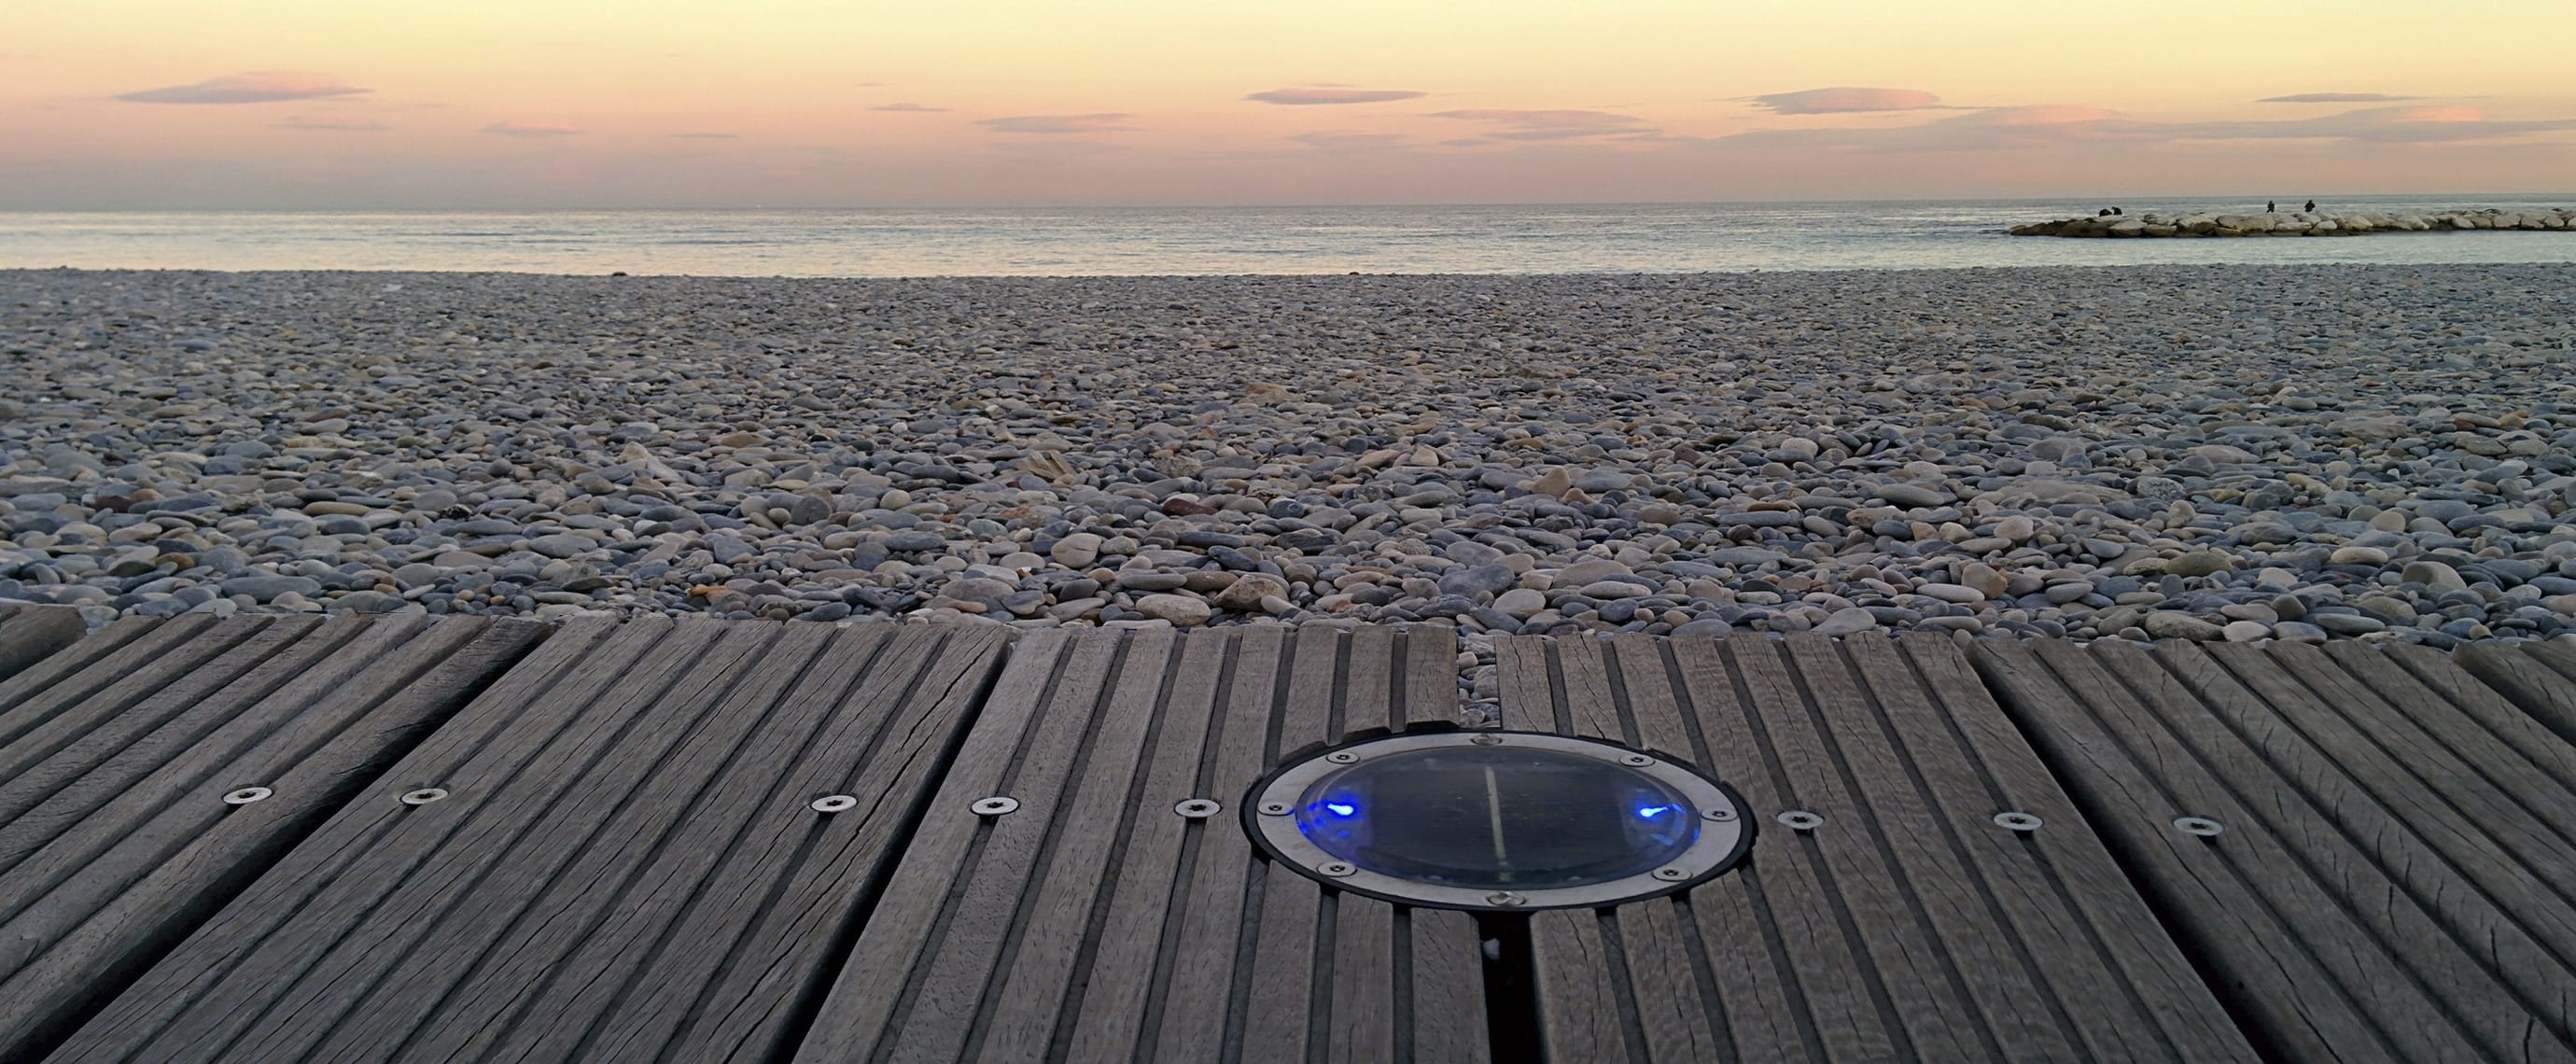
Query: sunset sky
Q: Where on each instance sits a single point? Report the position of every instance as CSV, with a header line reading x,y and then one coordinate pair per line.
x,y
546,103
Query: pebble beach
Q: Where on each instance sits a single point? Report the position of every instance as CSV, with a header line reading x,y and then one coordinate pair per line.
x,y
2301,453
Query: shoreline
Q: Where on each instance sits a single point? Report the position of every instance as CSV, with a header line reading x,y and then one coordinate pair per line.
x,y
2103,452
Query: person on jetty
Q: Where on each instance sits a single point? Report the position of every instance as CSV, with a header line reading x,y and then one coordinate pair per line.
x,y
2271,206
2311,208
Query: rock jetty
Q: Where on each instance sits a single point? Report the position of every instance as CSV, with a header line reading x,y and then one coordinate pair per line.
x,y
2244,453
2301,223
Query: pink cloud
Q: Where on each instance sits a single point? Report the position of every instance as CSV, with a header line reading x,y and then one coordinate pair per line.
x,y
1846,101
520,127
2044,125
1312,96
258,86
1091,123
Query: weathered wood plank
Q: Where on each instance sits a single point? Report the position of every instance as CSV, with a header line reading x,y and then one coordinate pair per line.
x,y
1137,932
1430,670
30,634
2543,685
564,901
2319,961
130,845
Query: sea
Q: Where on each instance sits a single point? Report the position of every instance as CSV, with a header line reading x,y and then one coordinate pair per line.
x,y
1073,241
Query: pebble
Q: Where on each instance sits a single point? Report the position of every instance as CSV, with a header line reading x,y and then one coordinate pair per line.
x,y
1746,453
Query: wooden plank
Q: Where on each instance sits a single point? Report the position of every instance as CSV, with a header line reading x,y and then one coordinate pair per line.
x,y
1197,1015
1743,1010
627,864
1430,675
1281,997
2307,961
31,634
1839,1008
1441,988
33,727
1111,1019
870,986
2120,984
756,979
1911,980
2543,685
131,847
1369,688
1022,1021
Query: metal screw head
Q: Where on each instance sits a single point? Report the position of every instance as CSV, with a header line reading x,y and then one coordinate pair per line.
x,y
247,795
2017,821
1505,898
1801,820
1342,757
1198,808
995,805
1275,808
1636,761
1337,869
1671,873
423,796
1719,814
2199,825
1487,740
834,803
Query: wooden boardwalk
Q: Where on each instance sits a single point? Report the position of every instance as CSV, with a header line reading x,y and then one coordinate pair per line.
x,y
757,841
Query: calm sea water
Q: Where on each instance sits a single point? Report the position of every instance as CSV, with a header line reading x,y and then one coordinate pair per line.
x,y
1233,240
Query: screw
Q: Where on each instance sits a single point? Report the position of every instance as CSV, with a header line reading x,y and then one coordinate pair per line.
x,y
1671,873
423,796
1341,757
2017,821
1197,808
2199,825
247,795
1719,814
834,803
1801,820
1275,808
1337,869
995,805
1505,898
1636,761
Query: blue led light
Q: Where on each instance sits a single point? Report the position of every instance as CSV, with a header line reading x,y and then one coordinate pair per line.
x,y
1341,809
1652,811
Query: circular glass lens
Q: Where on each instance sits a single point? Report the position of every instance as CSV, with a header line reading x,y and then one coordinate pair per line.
x,y
1497,817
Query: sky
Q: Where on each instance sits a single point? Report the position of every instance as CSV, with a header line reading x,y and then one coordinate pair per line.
x,y
263,104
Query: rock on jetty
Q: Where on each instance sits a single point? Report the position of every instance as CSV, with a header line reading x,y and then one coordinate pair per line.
x,y
2301,223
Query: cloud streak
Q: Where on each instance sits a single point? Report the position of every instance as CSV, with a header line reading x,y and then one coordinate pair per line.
x,y
2337,97
1309,97
1549,125
907,108
258,86
2007,128
1837,101
520,127
331,125
1098,122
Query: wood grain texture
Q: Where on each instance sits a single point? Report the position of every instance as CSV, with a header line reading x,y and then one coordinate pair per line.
x,y
1119,929
564,901
118,843
2356,905
1908,925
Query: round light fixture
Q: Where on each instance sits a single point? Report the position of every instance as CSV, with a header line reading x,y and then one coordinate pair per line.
x,y
1458,819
